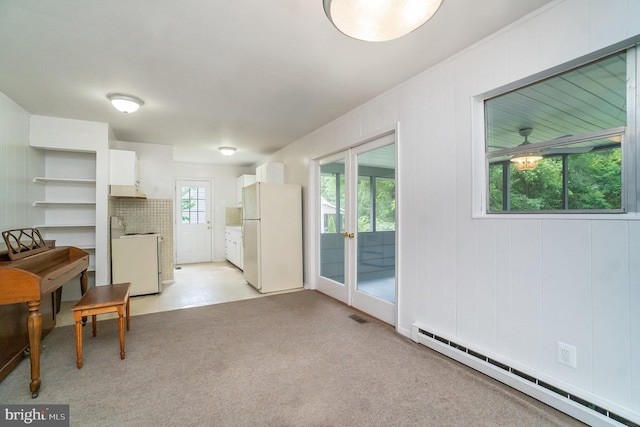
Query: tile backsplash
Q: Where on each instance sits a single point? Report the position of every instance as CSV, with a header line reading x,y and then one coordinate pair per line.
x,y
233,217
151,215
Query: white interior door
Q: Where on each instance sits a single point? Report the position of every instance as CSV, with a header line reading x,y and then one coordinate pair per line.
x,y
356,256
193,222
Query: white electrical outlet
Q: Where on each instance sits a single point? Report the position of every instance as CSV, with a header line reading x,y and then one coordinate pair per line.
x,y
567,354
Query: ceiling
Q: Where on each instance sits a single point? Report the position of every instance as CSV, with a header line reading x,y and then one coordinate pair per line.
x,y
256,75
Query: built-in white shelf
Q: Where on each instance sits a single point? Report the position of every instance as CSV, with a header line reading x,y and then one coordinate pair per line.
x,y
44,180
64,225
61,203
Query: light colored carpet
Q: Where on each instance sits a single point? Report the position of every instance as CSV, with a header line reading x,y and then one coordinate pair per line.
x,y
294,359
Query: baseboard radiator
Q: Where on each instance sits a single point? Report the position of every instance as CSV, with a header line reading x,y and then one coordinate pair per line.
x,y
566,402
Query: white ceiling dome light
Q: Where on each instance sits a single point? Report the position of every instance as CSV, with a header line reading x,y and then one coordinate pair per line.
x,y
379,20
227,151
125,103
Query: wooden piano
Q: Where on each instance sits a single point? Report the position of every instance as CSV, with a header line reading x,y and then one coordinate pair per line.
x,y
34,280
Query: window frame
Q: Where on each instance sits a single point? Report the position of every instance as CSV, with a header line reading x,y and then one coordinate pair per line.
x,y
618,131
630,200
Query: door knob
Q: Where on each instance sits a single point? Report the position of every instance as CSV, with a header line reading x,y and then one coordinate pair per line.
x,y
349,235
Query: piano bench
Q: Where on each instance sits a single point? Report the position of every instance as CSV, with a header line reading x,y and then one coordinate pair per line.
x,y
101,300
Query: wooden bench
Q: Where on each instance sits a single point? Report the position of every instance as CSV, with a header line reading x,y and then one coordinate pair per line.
x,y
101,300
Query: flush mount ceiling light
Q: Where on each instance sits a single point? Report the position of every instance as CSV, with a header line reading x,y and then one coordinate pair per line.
x,y
528,161
125,103
379,20
227,151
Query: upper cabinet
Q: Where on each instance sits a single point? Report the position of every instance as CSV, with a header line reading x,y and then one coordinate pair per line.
x,y
123,168
272,172
243,181
123,174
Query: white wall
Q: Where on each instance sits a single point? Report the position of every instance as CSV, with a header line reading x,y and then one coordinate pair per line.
x,y
476,280
18,165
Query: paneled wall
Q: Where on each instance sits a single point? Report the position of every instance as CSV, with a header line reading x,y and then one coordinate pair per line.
x,y
18,164
509,287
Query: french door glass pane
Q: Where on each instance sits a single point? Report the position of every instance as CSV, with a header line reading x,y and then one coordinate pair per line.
x,y
376,252
365,214
332,211
385,213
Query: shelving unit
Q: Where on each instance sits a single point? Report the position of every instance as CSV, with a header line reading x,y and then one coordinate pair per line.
x,y
46,202
69,181
44,180
67,200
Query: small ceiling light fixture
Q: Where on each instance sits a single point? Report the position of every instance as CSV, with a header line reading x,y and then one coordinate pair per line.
x,y
227,151
379,20
125,103
528,161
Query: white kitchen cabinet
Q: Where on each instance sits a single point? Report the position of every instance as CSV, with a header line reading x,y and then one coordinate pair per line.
x,y
123,174
272,172
243,181
233,245
123,168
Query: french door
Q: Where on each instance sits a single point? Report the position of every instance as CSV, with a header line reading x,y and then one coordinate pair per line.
x,y
193,222
356,233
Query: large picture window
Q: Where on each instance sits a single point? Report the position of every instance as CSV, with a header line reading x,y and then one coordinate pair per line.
x,y
557,145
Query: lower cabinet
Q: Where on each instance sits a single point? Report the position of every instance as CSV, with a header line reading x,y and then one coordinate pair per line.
x,y
233,245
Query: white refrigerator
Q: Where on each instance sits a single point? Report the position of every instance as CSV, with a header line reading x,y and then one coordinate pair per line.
x,y
272,236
